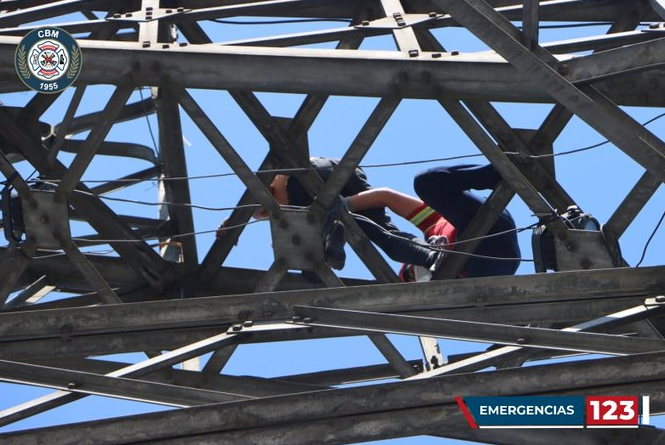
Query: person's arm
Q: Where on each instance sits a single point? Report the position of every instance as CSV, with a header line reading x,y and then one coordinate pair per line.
x,y
400,203
412,209
277,189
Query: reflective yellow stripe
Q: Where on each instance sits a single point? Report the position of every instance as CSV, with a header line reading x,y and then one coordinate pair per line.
x,y
421,216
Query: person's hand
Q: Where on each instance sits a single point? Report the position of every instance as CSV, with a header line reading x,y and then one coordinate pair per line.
x,y
260,213
222,230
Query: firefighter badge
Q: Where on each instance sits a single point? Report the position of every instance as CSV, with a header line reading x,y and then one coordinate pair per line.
x,y
48,60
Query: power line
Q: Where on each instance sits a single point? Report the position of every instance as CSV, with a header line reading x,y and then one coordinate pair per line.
x,y
179,178
276,22
572,25
177,236
578,150
422,161
485,257
147,119
646,246
380,165
167,203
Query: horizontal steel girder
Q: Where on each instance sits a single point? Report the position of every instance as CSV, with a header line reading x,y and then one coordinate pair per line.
x,y
216,311
481,76
430,404
475,331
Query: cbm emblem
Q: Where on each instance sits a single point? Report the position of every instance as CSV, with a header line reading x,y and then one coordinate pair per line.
x,y
48,60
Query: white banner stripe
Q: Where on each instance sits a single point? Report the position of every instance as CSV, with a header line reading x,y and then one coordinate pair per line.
x,y
498,427
646,410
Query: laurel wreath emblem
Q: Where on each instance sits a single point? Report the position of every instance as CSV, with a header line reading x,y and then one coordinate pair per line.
x,y
72,71
22,63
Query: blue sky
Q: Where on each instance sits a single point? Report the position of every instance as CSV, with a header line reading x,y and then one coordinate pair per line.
x,y
597,179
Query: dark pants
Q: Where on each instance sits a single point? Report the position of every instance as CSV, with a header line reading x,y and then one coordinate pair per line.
x,y
399,246
446,190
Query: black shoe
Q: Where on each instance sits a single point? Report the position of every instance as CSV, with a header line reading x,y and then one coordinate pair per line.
x,y
334,246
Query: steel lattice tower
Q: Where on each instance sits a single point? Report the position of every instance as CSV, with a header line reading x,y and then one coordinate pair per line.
x,y
148,300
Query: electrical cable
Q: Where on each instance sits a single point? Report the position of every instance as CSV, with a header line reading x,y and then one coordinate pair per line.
x,y
276,22
578,150
423,161
646,246
180,178
147,119
444,249
31,175
177,236
485,257
167,203
495,234
382,165
572,25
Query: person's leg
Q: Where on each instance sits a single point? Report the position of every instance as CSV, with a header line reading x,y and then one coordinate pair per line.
x,y
445,189
399,246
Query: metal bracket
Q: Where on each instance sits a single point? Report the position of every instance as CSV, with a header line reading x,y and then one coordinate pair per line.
x,y
403,21
46,219
432,353
655,27
296,239
148,14
582,249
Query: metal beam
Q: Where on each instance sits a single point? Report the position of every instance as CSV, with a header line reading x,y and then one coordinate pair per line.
x,y
298,128
91,275
245,386
219,142
587,436
349,375
291,156
479,226
137,254
213,311
175,166
219,359
41,12
431,400
60,398
535,170
510,173
86,383
659,7
632,204
509,353
615,62
12,265
31,294
63,128
94,139
321,71
476,331
390,352
355,153
589,104
404,36
530,23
